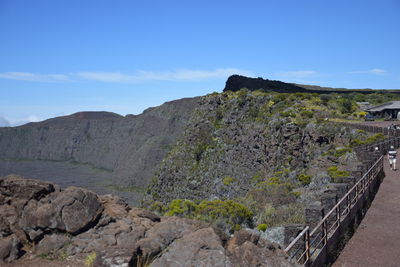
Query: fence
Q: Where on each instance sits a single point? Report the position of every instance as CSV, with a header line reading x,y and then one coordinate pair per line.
x,y
374,129
313,247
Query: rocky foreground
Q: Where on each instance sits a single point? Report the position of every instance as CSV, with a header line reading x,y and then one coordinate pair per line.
x,y
42,225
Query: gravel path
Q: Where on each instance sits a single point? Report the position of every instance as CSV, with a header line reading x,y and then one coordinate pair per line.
x,y
377,240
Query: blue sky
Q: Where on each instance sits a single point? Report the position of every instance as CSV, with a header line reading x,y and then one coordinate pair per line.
x,y
60,57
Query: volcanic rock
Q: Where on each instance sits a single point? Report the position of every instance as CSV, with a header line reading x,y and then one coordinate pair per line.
x,y
76,223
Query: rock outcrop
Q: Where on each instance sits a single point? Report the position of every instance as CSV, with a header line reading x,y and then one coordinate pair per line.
x,y
39,221
237,82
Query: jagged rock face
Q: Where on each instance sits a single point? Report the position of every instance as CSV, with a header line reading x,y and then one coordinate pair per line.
x,y
226,144
131,146
116,234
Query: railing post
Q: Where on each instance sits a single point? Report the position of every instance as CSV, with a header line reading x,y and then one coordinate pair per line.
x,y
307,243
357,191
363,182
348,201
324,228
370,177
337,211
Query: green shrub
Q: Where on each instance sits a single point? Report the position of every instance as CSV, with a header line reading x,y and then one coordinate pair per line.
x,y
325,99
257,178
227,180
302,96
346,106
231,213
361,131
286,214
368,140
304,179
280,97
236,227
242,96
253,112
336,174
157,207
288,114
262,227
306,114
90,258
180,207
272,191
338,152
199,149
296,194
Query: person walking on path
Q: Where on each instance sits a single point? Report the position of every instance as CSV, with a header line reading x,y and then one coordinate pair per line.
x,y
392,154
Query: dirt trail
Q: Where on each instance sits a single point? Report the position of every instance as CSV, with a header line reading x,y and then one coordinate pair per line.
x,y
377,239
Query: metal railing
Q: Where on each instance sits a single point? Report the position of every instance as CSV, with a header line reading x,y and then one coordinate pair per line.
x,y
314,241
309,244
374,129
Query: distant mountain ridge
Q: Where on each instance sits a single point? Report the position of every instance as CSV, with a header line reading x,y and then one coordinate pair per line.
x,y
237,82
130,146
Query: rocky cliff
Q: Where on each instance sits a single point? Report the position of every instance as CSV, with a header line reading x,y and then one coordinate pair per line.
x,y
42,225
235,140
131,147
237,82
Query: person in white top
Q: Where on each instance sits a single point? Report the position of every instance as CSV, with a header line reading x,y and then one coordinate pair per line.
x,y
392,154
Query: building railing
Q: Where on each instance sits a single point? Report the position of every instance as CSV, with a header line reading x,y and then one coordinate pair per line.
x,y
309,245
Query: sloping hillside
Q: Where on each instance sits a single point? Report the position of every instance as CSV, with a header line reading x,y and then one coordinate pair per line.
x,y
131,147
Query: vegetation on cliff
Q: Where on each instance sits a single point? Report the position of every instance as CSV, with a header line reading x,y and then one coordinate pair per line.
x,y
262,150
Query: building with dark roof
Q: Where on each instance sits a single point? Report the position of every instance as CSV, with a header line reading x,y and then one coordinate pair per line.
x,y
387,110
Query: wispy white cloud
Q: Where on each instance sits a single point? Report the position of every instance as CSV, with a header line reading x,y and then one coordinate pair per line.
x,y
33,77
372,71
178,75
33,118
4,122
300,76
138,76
297,74
105,76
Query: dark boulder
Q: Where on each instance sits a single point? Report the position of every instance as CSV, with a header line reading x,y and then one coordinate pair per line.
x,y
51,243
200,248
72,210
246,248
16,186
